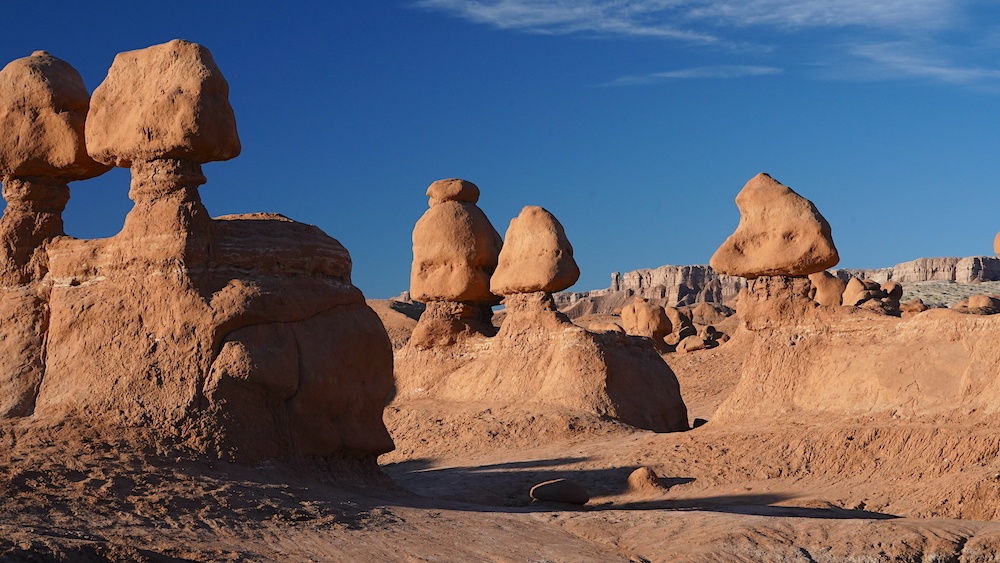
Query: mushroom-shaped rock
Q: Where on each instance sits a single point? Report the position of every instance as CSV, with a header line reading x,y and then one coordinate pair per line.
x,y
536,256
829,288
43,108
164,101
996,244
780,234
642,318
455,251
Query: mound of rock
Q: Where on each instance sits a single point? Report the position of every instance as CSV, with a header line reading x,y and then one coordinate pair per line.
x,y
240,337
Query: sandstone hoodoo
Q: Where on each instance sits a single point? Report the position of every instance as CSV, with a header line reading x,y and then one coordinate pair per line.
x,y
43,108
537,356
240,337
536,256
455,252
780,234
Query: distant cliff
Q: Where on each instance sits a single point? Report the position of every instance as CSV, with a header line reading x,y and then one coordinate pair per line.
x,y
686,285
972,269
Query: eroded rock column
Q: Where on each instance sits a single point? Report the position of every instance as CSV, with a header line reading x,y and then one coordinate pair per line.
x,y
164,140
455,252
43,108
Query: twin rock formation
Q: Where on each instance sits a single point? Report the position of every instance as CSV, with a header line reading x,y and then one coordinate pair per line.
x,y
461,268
241,337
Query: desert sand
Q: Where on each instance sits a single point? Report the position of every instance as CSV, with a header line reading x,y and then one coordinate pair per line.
x,y
217,389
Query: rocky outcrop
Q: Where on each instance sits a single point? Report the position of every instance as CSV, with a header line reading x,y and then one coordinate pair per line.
x,y
455,247
539,357
240,337
642,318
668,286
938,366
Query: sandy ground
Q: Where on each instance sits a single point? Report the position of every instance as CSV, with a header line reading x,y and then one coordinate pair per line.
x,y
456,489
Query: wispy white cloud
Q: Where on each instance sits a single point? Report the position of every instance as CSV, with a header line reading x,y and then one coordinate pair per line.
x,y
561,17
717,71
869,39
689,19
906,60
888,14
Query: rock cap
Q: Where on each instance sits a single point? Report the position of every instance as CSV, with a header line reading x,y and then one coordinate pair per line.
x,y
452,189
536,256
164,101
780,234
43,109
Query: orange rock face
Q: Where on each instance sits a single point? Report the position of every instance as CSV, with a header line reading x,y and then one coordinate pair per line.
x,y
455,248
536,256
240,337
164,101
829,289
780,234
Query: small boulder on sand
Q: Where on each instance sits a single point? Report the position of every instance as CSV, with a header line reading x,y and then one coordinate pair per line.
x,y
644,479
691,344
536,256
560,490
780,234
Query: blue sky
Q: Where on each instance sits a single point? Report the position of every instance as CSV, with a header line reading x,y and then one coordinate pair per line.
x,y
634,122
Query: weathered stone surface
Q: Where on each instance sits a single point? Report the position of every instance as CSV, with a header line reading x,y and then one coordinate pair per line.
x,y
455,252
43,109
829,288
642,318
164,101
241,338
969,269
452,189
780,234
913,306
560,490
691,343
536,256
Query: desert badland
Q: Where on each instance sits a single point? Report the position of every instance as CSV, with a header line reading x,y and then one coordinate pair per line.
x,y
197,388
